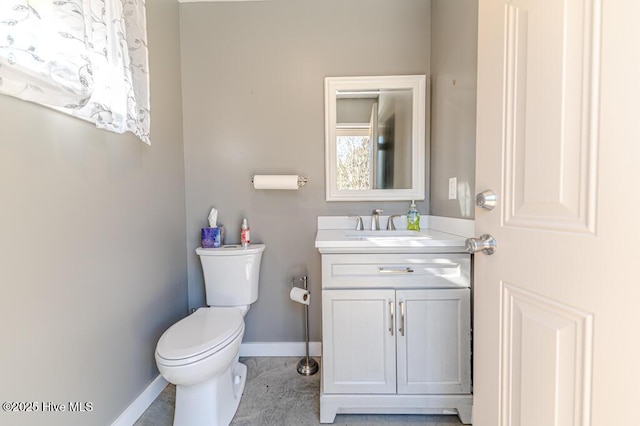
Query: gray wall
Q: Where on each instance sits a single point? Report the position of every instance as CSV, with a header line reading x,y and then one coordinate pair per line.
x,y
253,80
93,247
454,32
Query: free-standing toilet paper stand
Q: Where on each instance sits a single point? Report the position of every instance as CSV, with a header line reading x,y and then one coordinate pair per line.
x,y
307,366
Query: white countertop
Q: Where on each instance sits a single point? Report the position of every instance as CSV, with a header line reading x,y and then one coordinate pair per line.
x,y
336,234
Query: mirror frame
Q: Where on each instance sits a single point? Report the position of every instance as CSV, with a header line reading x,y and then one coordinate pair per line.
x,y
417,84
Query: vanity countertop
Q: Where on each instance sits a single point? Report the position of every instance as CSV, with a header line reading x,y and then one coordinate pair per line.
x,y
337,235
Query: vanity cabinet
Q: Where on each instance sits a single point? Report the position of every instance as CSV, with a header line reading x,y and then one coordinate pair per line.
x,y
396,334
396,341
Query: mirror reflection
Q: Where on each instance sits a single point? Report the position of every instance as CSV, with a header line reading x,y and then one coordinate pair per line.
x,y
375,138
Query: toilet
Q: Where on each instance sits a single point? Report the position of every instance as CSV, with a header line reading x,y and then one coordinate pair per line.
x,y
199,354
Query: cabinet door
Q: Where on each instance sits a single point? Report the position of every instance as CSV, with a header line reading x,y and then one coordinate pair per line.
x,y
434,341
358,348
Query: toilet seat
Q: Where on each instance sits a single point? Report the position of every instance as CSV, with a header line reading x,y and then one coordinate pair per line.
x,y
200,335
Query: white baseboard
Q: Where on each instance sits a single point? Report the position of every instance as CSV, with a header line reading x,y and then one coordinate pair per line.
x,y
268,349
265,349
141,403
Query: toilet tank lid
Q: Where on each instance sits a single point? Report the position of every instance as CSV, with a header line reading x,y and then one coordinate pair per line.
x,y
231,250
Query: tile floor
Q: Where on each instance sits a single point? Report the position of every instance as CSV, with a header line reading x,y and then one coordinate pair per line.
x,y
275,394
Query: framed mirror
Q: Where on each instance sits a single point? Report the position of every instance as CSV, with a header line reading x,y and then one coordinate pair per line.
x,y
375,138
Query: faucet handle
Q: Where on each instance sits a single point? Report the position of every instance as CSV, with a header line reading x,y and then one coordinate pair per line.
x,y
390,225
376,211
359,225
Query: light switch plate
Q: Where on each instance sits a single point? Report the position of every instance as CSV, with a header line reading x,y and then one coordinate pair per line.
x,y
453,188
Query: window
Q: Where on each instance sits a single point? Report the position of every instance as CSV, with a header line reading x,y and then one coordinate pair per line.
x,y
87,58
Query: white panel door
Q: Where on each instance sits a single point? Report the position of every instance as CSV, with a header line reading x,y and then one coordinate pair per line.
x,y
358,344
556,340
434,342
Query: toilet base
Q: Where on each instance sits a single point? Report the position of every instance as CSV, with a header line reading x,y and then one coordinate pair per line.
x,y
213,402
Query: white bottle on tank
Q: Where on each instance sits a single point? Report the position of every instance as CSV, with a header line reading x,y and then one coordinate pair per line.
x,y
245,234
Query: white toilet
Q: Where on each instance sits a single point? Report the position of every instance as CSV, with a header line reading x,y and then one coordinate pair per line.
x,y
199,354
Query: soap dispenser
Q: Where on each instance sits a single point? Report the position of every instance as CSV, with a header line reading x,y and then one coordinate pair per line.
x,y
413,218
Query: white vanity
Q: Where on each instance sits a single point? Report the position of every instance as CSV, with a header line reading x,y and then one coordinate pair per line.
x,y
396,319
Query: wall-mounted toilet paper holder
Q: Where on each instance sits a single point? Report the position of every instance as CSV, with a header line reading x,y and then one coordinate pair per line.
x,y
278,181
306,366
302,279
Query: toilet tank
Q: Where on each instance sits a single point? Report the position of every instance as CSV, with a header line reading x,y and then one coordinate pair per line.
x,y
231,274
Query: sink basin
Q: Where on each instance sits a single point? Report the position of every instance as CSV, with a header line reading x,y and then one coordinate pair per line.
x,y
397,234
424,241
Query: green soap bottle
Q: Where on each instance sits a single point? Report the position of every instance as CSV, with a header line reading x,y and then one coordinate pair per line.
x,y
413,218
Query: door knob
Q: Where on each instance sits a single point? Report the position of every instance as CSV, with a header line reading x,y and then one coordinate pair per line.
x,y
487,199
486,244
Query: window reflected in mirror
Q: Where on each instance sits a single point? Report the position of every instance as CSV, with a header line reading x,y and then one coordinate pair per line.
x,y
354,154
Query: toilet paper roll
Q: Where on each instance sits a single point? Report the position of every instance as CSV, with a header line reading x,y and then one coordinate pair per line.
x,y
275,182
300,295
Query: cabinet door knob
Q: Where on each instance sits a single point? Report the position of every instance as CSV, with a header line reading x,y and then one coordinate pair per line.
x,y
402,319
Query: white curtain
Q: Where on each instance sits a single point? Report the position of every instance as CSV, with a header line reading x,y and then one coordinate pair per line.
x,y
87,58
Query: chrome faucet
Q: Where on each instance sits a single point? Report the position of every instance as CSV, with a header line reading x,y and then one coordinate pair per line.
x,y
375,219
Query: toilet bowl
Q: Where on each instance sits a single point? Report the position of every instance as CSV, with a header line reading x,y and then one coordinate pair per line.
x,y
199,354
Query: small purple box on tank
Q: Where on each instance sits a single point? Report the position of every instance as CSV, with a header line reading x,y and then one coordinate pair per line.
x,y
212,237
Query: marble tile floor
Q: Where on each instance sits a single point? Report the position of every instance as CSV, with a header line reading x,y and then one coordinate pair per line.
x,y
276,395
